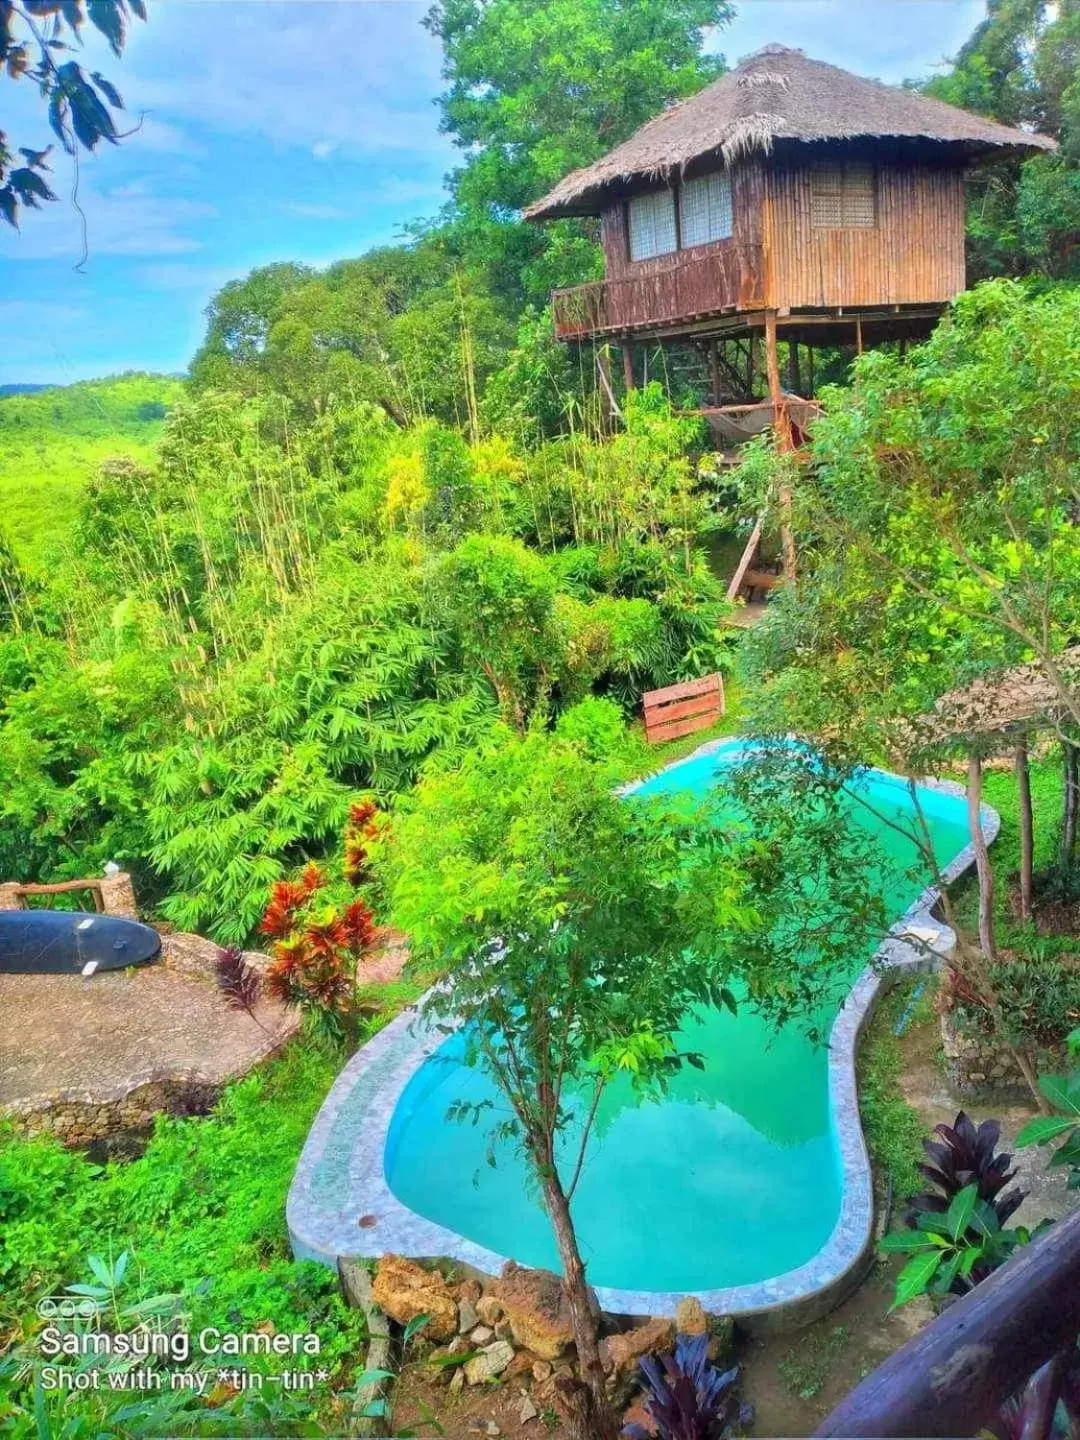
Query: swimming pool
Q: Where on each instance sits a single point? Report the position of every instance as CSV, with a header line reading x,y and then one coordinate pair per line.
x,y
748,1182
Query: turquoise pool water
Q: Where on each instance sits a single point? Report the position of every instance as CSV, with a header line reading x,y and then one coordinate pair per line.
x,y
733,1178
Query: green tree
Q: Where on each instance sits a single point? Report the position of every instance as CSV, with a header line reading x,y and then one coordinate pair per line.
x,y
575,931
34,37
536,88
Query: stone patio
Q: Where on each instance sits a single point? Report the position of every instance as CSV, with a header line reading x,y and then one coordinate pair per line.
x,y
90,1058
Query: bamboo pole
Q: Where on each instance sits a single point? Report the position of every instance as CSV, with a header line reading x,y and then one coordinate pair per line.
x,y
1027,831
782,427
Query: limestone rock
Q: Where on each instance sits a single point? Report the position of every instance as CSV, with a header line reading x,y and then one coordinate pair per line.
x,y
535,1305
482,1334
527,1410
490,1363
457,1382
489,1310
403,1290
467,1317
619,1354
504,1330
521,1364
690,1317
541,1371
468,1290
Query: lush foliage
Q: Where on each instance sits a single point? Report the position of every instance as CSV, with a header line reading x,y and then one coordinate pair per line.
x,y
201,1216
33,43
1020,67
54,441
686,1396
1060,1128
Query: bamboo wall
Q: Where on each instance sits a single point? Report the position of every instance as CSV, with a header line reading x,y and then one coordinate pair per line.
x,y
777,258
913,254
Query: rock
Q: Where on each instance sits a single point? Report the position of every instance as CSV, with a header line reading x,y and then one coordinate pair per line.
x,y
468,1291
504,1330
403,1290
721,1340
467,1317
637,1414
535,1305
459,1344
490,1363
457,1381
489,1310
481,1335
619,1354
541,1371
690,1317
521,1364
527,1410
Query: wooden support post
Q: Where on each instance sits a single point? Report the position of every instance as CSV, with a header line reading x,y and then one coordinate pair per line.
x,y
858,334
628,365
810,372
1027,832
714,372
793,368
603,367
982,860
782,427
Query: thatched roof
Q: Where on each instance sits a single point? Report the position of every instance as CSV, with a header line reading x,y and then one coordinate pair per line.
x,y
777,95
1018,698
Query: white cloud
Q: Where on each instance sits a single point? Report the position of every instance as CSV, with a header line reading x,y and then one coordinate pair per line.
x,y
127,220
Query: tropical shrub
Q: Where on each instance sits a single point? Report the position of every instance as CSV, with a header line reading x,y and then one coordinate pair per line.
x,y
687,1397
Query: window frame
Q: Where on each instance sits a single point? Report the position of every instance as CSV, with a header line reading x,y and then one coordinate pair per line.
x,y
675,192
845,195
723,179
653,196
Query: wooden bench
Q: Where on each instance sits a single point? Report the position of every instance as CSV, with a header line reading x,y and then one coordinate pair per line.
x,y
682,709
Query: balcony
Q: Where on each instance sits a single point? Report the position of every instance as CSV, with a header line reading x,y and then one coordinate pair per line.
x,y
693,286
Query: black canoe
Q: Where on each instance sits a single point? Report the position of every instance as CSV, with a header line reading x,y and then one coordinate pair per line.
x,y
63,942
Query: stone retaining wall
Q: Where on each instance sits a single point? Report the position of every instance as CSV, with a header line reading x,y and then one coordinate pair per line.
x,y
981,1065
81,1122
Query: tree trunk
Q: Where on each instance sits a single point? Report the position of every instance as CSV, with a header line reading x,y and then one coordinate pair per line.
x,y
1027,832
1068,824
597,1420
982,860
782,431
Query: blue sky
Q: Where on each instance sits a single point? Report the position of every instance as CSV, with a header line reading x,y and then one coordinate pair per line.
x,y
295,131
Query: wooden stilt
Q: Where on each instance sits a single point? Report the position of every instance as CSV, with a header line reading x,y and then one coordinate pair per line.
x,y
810,372
603,367
1071,796
714,372
782,427
858,334
793,368
628,365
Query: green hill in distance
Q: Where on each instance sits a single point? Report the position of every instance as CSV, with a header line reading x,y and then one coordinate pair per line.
x,y
52,441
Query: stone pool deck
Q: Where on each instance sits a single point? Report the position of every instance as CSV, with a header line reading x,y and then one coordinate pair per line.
x,y
340,1204
89,1058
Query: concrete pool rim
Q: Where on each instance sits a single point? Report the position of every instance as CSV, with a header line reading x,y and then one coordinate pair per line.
x,y
372,1221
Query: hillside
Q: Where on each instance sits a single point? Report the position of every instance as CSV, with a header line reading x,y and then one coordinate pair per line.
x,y
52,441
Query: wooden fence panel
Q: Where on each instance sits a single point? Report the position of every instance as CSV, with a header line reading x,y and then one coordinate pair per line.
x,y
683,709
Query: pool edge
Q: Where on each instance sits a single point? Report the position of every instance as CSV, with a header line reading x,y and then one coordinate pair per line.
x,y
376,1222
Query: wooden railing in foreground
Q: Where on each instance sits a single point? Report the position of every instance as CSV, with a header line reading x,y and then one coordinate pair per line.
x,y
681,709
1014,1335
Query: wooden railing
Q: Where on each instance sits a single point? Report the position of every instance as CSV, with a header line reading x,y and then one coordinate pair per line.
x,y
727,276
1008,1345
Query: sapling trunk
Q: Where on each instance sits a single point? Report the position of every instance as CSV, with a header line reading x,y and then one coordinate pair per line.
x,y
1069,755
982,860
1027,830
598,1420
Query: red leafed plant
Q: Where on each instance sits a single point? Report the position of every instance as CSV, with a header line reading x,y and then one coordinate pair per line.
x,y
361,829
317,945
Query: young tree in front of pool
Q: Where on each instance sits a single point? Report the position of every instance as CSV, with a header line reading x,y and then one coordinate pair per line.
x,y
576,931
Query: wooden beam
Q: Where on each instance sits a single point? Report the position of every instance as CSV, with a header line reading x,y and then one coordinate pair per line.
x,y
745,561
714,371
628,365
782,426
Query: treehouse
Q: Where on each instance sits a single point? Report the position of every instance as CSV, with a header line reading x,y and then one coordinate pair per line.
x,y
787,188
788,200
